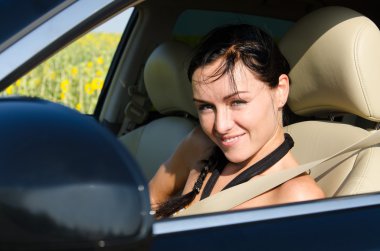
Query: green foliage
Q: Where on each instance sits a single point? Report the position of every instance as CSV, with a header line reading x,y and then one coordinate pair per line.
x,y
73,77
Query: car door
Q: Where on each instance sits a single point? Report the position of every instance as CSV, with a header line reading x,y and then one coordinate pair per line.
x,y
345,223
41,28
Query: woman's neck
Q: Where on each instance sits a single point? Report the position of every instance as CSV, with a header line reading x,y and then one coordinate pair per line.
x,y
226,176
274,142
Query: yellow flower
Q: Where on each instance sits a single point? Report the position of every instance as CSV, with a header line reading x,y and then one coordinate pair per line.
x,y
65,85
36,81
99,73
100,60
18,82
10,90
90,36
74,71
88,89
63,96
97,83
90,64
78,107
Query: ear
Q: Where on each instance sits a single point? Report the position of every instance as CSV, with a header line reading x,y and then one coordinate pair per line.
x,y
282,91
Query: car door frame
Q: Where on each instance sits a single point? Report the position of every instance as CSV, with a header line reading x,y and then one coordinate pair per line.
x,y
53,32
337,222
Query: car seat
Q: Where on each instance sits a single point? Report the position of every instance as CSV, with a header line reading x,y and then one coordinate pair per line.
x,y
334,55
170,93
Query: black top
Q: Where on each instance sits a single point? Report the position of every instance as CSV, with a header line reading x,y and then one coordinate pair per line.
x,y
252,171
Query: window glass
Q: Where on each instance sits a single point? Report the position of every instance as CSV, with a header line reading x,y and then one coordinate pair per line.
x,y
30,11
74,76
194,24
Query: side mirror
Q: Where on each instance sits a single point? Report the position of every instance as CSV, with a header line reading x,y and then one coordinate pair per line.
x,y
66,182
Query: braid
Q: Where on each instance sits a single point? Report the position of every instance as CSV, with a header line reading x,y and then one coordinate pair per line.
x,y
173,205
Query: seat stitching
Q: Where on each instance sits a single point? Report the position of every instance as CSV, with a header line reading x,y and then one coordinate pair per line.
x,y
347,177
363,172
355,189
356,60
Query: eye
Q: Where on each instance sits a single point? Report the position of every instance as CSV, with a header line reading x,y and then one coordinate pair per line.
x,y
238,102
205,107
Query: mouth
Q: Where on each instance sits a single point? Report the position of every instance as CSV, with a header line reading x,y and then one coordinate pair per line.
x,y
229,141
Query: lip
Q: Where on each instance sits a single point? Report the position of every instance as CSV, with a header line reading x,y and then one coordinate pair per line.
x,y
228,141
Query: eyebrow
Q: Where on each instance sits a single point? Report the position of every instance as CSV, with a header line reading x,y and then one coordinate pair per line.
x,y
224,98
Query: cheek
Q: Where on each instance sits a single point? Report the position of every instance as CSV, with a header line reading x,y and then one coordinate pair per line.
x,y
207,122
252,115
258,117
265,109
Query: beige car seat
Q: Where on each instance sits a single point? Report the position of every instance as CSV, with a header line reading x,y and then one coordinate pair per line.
x,y
170,93
334,55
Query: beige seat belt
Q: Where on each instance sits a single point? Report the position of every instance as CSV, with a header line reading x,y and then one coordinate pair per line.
x,y
239,194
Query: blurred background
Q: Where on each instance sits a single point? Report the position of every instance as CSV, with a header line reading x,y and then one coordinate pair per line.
x,y
74,76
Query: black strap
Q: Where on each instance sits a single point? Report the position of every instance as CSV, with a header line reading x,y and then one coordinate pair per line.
x,y
198,184
214,177
257,168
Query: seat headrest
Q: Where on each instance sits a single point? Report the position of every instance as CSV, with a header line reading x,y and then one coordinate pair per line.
x,y
334,56
165,77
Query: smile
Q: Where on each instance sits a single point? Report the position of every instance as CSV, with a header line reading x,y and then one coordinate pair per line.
x,y
227,141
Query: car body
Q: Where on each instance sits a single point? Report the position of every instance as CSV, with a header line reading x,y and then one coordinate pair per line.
x,y
338,223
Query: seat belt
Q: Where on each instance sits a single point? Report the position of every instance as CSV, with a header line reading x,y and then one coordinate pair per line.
x,y
136,112
234,196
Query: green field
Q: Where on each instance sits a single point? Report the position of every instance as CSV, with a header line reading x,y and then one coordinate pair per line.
x,y
74,76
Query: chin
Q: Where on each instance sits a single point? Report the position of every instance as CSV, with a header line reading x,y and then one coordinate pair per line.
x,y
235,158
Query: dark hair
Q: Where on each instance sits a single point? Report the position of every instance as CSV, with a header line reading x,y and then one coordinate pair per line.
x,y
242,42
175,204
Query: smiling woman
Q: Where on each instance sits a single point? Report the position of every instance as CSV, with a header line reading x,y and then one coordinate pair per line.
x,y
240,87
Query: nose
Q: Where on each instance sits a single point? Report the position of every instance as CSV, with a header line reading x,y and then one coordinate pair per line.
x,y
223,121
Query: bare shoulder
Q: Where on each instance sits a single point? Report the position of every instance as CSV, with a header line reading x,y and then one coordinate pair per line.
x,y
198,138
300,188
183,166
196,146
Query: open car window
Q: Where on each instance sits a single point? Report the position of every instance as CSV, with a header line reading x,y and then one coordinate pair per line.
x,y
75,75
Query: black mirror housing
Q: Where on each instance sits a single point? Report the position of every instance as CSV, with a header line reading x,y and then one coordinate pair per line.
x,y
66,182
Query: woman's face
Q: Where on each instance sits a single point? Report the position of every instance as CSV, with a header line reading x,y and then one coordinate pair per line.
x,y
246,122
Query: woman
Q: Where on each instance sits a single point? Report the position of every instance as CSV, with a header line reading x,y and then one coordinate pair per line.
x,y
240,88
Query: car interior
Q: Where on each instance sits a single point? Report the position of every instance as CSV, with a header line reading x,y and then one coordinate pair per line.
x,y
339,43
81,190
169,90
333,53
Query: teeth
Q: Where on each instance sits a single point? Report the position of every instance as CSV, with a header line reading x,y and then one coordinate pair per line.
x,y
230,139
